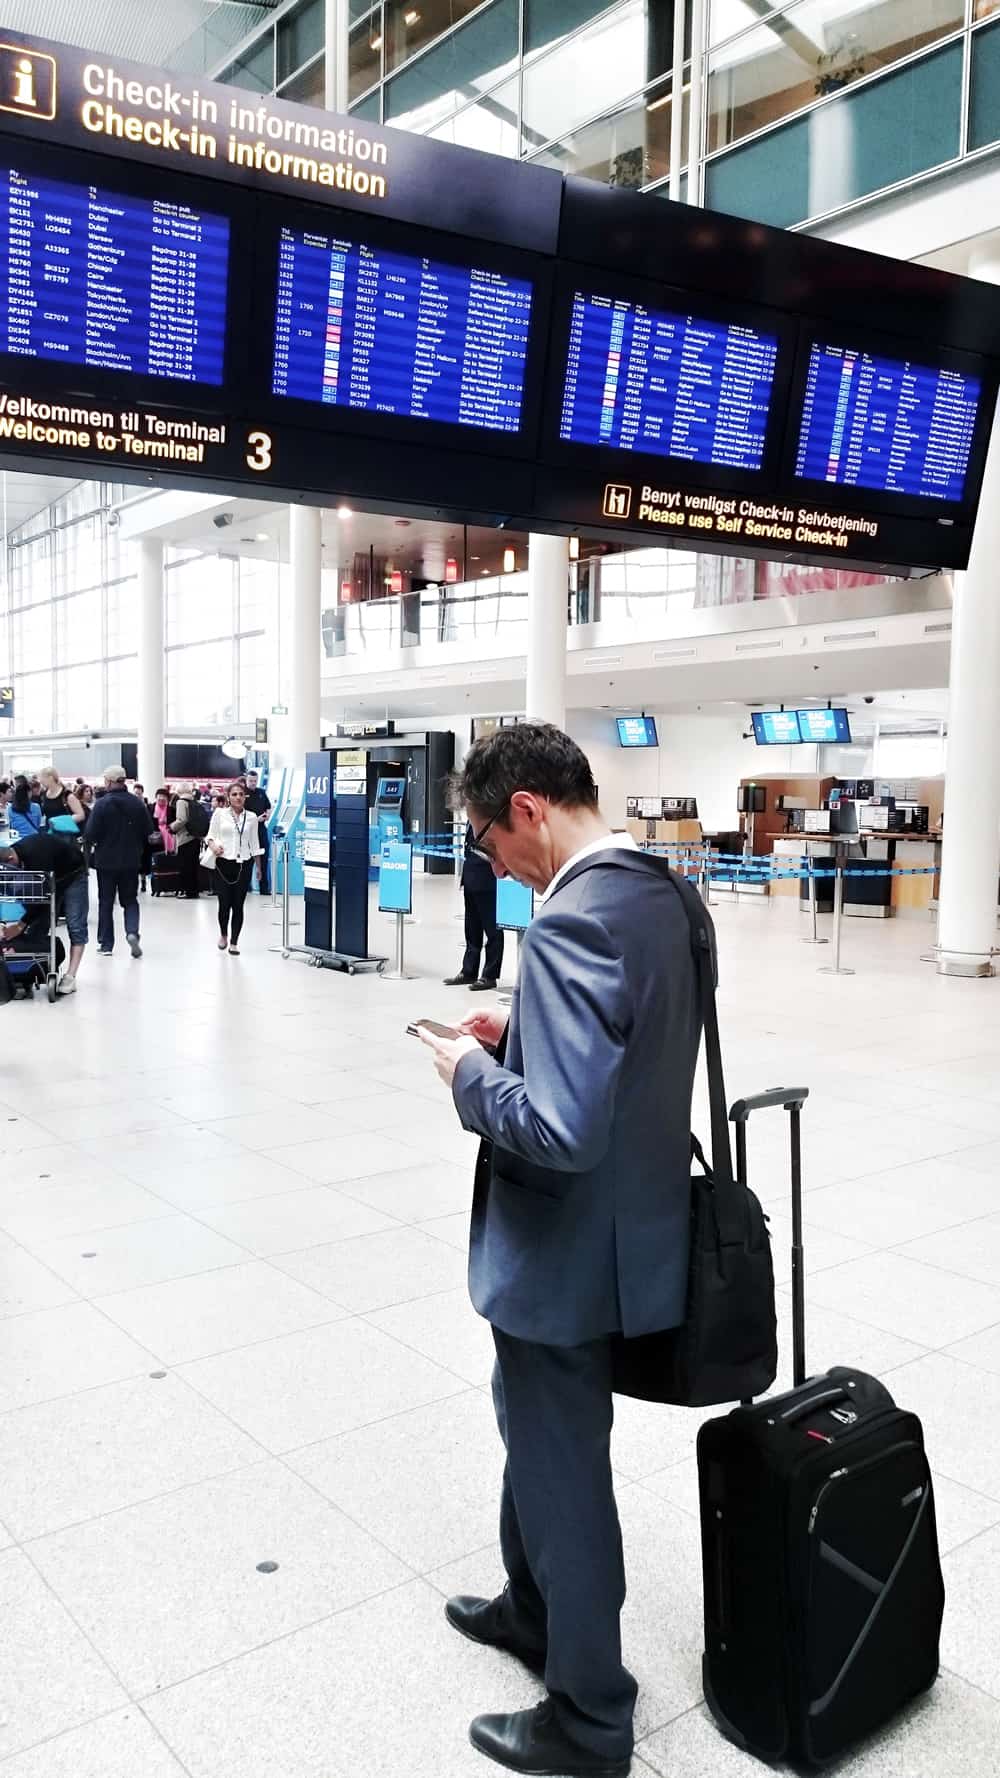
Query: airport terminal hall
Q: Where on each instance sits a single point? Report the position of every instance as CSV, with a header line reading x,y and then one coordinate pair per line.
x,y
499,888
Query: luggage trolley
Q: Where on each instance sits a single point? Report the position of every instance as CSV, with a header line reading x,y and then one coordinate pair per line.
x,y
32,888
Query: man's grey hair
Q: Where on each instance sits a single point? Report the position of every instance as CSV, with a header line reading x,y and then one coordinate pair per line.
x,y
115,775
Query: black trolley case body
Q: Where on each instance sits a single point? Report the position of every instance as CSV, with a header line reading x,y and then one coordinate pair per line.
x,y
822,1583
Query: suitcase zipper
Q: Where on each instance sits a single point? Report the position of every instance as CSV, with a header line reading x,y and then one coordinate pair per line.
x,y
856,1469
834,1476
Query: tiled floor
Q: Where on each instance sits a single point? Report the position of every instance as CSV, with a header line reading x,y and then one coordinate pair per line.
x,y
234,1331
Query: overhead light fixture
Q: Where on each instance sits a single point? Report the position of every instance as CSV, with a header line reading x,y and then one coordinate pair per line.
x,y
375,43
345,512
411,17
574,549
509,561
263,537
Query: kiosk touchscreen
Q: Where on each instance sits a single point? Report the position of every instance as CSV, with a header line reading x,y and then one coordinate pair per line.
x,y
290,819
387,817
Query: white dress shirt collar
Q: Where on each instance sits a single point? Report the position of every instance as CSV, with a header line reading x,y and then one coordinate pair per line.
x,y
609,842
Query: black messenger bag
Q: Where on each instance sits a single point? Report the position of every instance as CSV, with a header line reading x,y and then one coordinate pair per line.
x,y
727,1348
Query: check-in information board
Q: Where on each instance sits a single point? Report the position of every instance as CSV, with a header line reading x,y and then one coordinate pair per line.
x,y
200,284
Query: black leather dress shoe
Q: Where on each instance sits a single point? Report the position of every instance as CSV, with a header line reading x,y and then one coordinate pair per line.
x,y
482,1621
483,986
459,981
532,1741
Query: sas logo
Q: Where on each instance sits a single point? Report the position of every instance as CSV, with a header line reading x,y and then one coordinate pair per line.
x,y
27,82
318,785
617,501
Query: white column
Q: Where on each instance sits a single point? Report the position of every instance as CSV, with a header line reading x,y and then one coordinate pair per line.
x,y
967,928
696,109
152,666
677,103
548,598
305,550
335,67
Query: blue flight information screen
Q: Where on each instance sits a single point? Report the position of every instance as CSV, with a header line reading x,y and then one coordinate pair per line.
x,y
824,725
885,423
776,728
674,385
391,333
637,731
112,281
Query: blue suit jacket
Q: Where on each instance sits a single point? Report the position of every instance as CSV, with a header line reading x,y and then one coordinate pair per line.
x,y
581,1205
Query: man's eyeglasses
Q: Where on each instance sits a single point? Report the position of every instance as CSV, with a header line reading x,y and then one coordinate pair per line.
x,y
476,846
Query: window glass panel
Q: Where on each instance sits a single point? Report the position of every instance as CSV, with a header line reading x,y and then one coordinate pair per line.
x,y
886,132
364,61
628,150
256,683
123,693
123,617
358,10
78,628
371,108
727,17
467,63
199,599
410,25
200,685
255,70
811,50
80,696
984,108
591,74
546,21
309,87
300,36
33,703
491,125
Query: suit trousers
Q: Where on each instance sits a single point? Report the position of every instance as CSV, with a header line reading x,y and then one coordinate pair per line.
x,y
480,923
559,1532
124,884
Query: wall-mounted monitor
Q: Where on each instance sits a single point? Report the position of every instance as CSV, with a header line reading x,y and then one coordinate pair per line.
x,y
776,728
637,731
112,280
824,726
361,323
899,429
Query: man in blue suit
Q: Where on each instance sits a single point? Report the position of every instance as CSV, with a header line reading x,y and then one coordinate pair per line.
x,y
579,1221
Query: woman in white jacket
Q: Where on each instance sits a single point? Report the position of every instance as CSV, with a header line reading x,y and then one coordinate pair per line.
x,y
234,837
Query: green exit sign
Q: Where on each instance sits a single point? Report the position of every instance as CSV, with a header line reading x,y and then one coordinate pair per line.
x,y
279,709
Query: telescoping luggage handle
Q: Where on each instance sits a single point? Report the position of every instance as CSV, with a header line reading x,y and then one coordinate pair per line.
x,y
792,1100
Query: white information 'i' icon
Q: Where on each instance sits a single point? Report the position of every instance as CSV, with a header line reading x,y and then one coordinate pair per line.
x,y
24,85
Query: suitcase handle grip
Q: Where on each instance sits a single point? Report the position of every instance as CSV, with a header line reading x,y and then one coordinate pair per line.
x,y
801,1408
786,1096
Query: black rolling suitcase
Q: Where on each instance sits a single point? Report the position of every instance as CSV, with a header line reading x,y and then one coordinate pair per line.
x,y
823,1588
165,876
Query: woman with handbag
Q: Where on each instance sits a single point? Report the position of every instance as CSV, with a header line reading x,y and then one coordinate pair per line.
x,y
231,849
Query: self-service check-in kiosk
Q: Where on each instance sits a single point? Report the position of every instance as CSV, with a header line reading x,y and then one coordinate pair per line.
x,y
386,821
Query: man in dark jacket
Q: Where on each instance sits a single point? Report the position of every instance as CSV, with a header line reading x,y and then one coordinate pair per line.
x,y
117,833
480,891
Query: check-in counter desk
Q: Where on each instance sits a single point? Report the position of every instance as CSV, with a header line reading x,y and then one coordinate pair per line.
x,y
867,894
789,852
904,851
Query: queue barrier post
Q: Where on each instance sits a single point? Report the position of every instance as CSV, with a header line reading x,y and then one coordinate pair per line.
x,y
836,967
815,938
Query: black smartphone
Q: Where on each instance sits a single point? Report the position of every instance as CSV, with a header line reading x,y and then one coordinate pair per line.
x,y
431,1025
